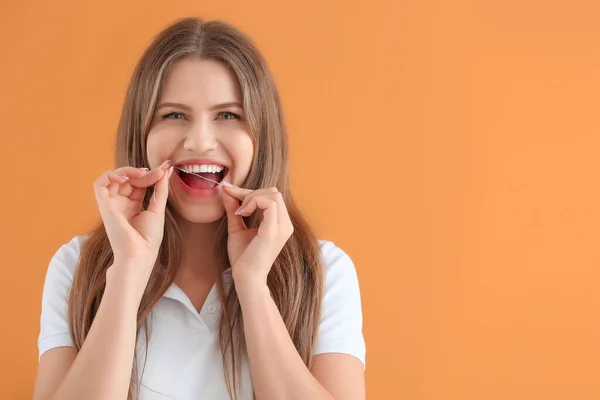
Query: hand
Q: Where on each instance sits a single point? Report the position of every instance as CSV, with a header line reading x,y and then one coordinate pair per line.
x,y
253,251
134,235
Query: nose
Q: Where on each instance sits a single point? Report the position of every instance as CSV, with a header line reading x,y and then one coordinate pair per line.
x,y
200,138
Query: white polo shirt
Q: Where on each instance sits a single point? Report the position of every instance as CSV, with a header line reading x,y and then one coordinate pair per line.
x,y
184,360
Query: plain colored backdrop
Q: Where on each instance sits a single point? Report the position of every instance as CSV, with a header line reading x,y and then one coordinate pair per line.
x,y
450,147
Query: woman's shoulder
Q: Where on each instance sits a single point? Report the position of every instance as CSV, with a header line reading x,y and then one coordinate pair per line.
x,y
65,259
334,258
340,329
338,267
54,325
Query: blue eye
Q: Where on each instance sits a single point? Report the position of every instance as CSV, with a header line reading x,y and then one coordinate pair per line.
x,y
174,115
228,115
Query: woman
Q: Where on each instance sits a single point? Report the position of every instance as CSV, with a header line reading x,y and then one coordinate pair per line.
x,y
222,291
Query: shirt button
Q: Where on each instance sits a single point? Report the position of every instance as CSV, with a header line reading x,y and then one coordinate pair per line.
x,y
227,278
212,309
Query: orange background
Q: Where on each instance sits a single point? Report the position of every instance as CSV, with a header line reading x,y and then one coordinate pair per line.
x,y
450,147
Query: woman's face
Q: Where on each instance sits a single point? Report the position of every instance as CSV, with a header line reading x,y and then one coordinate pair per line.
x,y
200,125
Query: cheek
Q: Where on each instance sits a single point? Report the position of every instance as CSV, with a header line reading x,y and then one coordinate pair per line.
x,y
242,152
158,147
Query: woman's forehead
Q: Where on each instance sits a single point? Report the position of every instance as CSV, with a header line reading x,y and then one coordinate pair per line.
x,y
200,84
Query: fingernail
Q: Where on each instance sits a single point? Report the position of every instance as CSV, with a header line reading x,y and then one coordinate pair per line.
x,y
170,172
240,210
163,164
145,169
154,197
227,184
124,177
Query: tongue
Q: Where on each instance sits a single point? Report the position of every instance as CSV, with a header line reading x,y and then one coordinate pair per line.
x,y
199,183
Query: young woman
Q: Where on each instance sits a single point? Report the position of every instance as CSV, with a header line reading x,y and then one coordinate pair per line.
x,y
203,280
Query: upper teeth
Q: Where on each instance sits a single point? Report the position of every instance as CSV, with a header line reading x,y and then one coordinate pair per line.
x,y
195,168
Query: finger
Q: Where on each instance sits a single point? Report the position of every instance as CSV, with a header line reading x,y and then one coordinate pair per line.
x,y
106,182
270,215
146,181
116,181
125,190
234,222
137,194
131,172
259,202
259,192
268,192
282,212
107,178
161,194
237,192
113,190
284,220
150,178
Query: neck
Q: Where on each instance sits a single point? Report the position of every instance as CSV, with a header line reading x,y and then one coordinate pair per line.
x,y
198,244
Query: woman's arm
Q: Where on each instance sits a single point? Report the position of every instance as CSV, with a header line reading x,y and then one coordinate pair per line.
x,y
277,370
102,368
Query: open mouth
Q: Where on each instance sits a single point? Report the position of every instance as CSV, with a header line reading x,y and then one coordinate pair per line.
x,y
202,180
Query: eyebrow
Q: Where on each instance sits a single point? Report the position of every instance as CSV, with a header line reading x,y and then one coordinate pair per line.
x,y
215,107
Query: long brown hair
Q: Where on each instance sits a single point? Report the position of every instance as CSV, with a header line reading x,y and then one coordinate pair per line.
x,y
296,277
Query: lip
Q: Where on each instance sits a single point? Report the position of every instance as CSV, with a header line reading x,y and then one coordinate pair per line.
x,y
199,193
200,161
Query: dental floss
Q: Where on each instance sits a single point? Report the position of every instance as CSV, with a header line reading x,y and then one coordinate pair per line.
x,y
199,176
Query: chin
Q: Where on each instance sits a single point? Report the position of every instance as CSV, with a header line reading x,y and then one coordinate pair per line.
x,y
200,214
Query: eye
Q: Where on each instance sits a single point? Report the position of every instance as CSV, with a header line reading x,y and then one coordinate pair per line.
x,y
228,115
174,115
